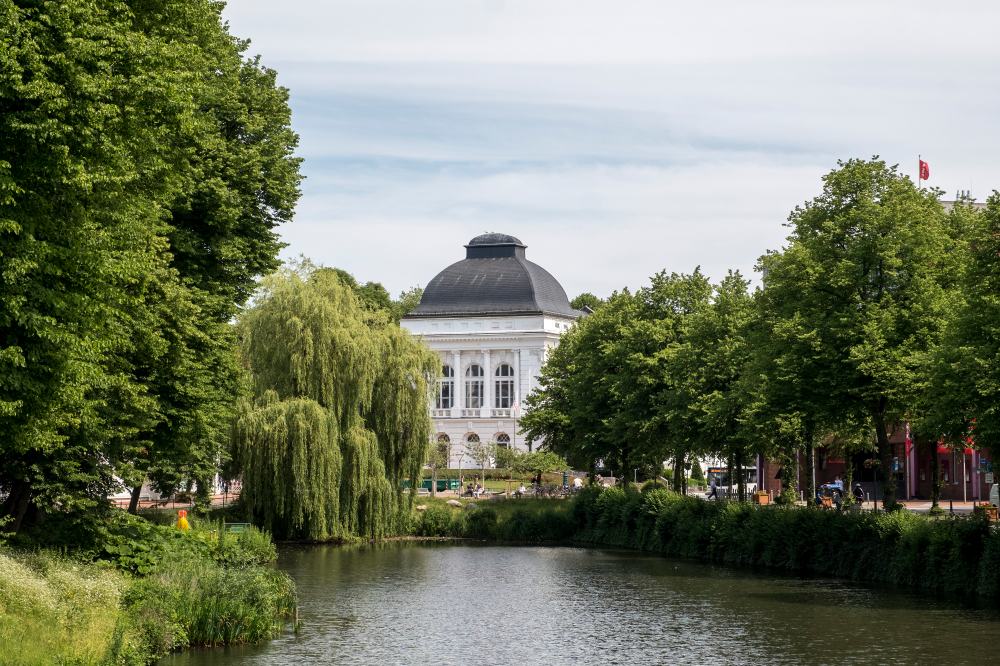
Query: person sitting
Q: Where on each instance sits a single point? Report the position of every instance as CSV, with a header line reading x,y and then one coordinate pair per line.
x,y
577,483
478,491
859,493
520,490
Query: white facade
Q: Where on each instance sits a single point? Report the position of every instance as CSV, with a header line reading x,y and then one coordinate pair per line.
x,y
489,365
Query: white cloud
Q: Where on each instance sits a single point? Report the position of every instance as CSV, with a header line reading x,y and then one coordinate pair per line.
x,y
615,139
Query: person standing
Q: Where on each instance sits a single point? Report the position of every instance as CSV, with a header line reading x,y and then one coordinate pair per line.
x,y
713,489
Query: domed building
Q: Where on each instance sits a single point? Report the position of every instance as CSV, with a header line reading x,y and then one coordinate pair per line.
x,y
492,317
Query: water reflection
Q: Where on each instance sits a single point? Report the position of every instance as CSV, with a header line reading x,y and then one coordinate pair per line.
x,y
469,605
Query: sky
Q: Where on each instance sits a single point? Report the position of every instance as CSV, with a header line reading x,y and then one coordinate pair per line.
x,y
618,138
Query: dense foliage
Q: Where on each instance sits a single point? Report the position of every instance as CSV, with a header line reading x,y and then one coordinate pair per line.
x,y
145,162
339,412
950,556
138,590
521,521
955,556
880,310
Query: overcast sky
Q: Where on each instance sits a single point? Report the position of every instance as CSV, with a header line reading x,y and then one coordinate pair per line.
x,y
615,138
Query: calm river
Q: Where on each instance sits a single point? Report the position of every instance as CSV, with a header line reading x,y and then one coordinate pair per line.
x,y
409,603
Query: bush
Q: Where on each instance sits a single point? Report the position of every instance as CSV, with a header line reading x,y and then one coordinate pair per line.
x,y
435,521
481,523
137,590
955,556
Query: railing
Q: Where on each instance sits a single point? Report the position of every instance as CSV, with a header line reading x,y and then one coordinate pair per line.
x,y
501,413
470,413
441,413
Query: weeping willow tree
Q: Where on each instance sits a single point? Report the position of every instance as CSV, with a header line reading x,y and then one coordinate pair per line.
x,y
339,413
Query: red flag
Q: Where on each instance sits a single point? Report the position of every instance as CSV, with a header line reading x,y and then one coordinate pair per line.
x,y
925,170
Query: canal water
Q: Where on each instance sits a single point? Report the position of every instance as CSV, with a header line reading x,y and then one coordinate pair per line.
x,y
420,603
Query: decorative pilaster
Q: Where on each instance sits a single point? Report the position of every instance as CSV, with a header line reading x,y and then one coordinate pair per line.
x,y
516,407
459,397
487,384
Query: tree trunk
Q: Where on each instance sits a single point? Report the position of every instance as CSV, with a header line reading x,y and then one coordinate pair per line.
x,y
729,471
885,456
16,504
678,472
741,481
848,476
808,433
133,502
788,485
935,477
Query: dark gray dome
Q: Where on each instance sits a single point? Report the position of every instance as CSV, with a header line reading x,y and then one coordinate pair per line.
x,y
495,278
495,239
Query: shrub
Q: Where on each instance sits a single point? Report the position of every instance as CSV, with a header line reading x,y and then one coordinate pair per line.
x,y
138,590
435,521
952,556
481,523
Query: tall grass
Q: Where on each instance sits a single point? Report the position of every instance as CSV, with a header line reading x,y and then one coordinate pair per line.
x,y
202,603
150,590
54,610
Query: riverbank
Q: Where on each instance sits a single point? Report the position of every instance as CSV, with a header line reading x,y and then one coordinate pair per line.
x,y
953,556
132,591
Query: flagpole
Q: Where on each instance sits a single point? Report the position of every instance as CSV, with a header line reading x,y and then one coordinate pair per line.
x,y
919,160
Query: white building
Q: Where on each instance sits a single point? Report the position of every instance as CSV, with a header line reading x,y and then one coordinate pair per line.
x,y
492,317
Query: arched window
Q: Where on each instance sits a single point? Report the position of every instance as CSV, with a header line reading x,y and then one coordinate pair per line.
x,y
503,395
444,445
472,438
446,388
503,440
474,387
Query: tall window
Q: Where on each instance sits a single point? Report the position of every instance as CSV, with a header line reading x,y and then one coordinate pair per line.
x,y
474,387
503,440
444,447
503,396
446,388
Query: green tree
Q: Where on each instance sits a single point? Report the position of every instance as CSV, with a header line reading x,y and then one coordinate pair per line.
x,y
863,279
339,416
483,454
696,472
586,300
571,409
542,462
508,458
407,300
144,162
438,458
